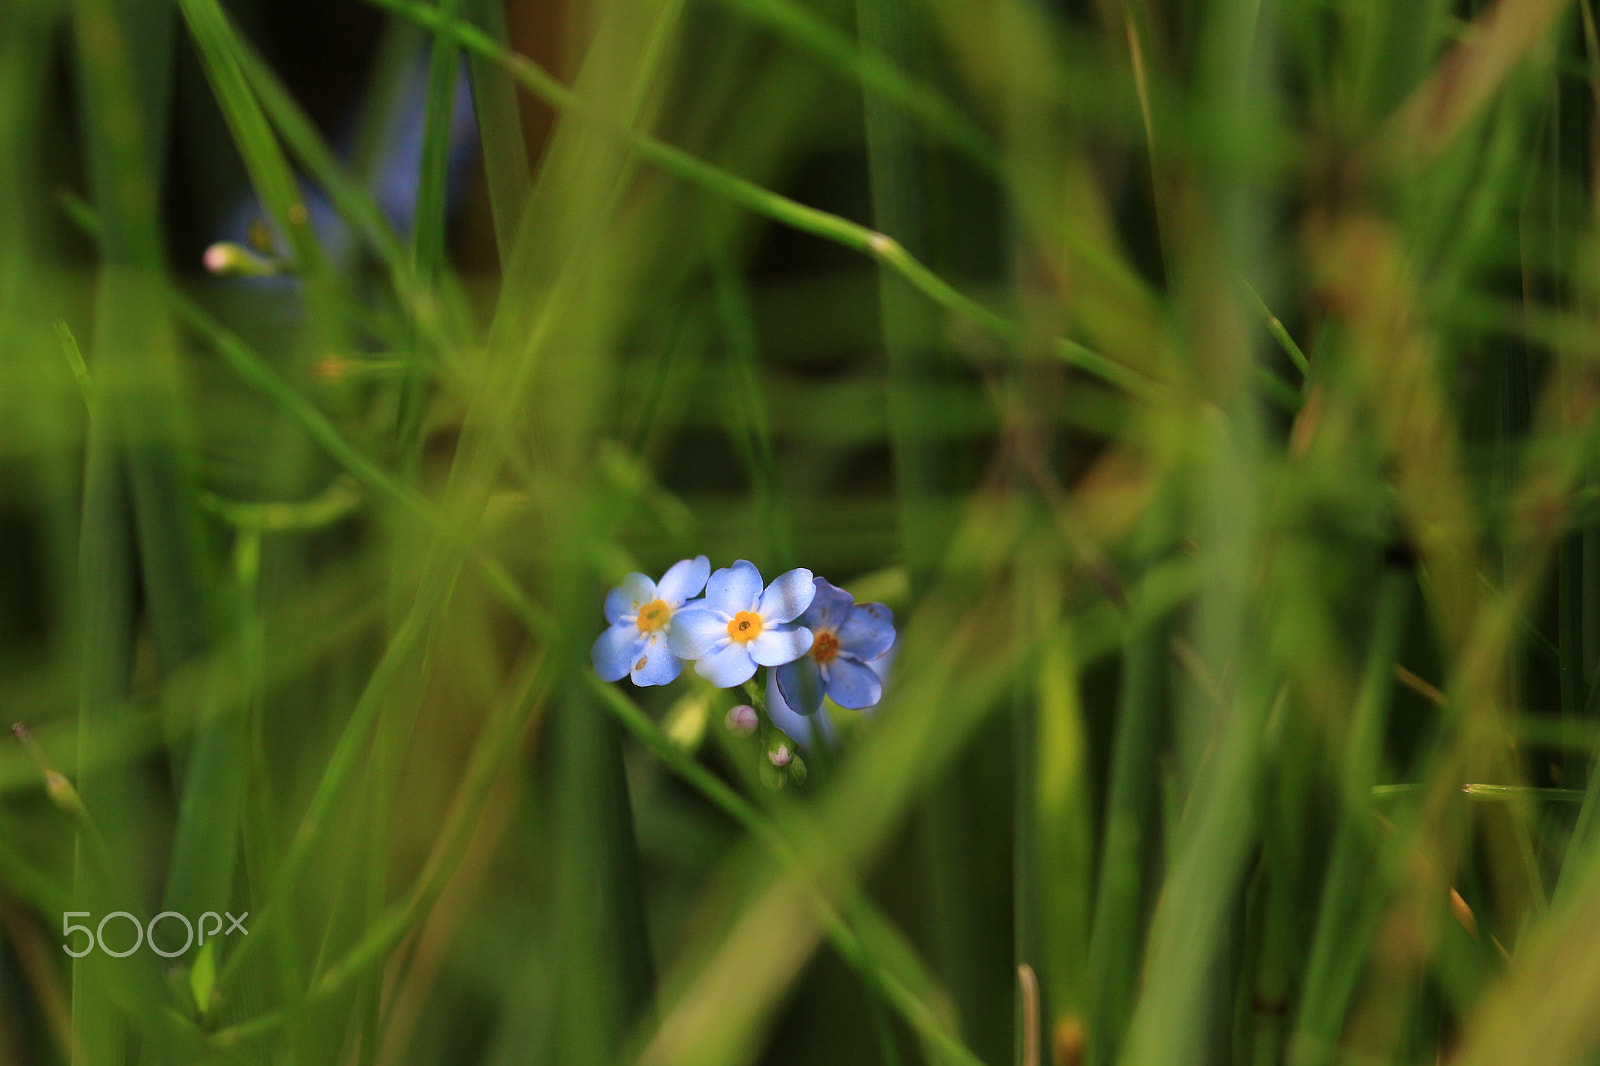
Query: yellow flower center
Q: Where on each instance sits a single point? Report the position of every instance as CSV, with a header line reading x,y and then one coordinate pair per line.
x,y
745,627
824,647
654,615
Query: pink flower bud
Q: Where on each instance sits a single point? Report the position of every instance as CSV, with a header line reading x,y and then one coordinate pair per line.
x,y
741,720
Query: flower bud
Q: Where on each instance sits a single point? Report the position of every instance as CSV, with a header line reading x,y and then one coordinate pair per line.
x,y
741,720
780,756
226,259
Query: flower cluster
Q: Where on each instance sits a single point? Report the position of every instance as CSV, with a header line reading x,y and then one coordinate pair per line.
x,y
815,640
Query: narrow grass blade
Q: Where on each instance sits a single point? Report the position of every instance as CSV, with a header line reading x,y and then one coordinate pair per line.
x,y
1345,917
505,151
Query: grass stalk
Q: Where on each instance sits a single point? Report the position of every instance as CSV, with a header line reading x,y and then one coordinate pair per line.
x,y
878,72
133,479
505,151
428,242
1125,844
896,172
1346,919
749,424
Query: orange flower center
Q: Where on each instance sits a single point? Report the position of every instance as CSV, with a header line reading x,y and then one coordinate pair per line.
x,y
824,647
654,615
745,627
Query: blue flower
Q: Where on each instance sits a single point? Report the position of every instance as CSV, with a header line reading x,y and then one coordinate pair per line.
x,y
738,627
642,614
848,636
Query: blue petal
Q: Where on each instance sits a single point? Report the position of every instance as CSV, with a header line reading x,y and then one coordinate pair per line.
x,y
613,652
868,631
853,684
787,596
735,588
829,607
683,580
727,667
801,685
655,664
802,729
635,591
780,644
694,632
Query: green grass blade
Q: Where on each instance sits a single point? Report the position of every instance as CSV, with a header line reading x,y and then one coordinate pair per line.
x,y
505,151
432,216
132,475
1344,918
877,71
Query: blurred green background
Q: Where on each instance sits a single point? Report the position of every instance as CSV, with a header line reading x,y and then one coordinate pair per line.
x,y
1210,387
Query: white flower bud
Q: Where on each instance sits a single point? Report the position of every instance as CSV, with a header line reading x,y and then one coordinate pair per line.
x,y
226,259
